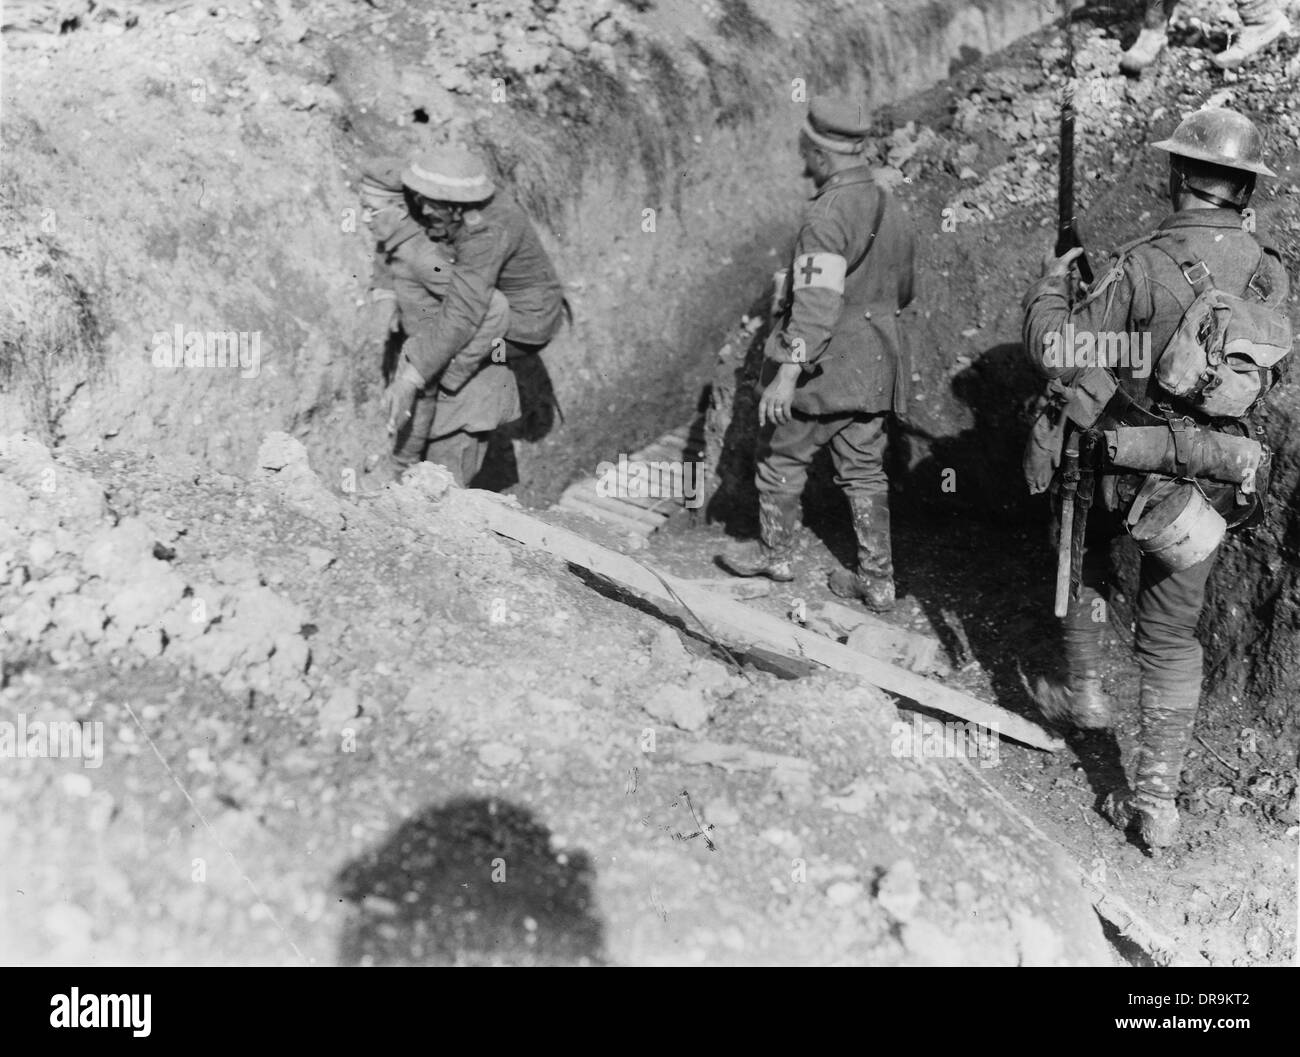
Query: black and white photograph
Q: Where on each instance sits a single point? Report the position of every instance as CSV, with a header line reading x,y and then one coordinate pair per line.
x,y
649,483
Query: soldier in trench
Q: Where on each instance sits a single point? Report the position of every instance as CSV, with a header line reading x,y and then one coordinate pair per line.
x,y
474,289
835,366
1215,156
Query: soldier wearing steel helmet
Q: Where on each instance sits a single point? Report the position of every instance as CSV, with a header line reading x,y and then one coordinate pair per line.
x,y
476,288
1215,156
835,366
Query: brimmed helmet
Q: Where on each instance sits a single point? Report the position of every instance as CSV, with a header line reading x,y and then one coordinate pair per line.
x,y
449,174
1221,137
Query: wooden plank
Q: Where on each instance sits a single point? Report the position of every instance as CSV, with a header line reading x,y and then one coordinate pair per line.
x,y
660,504
614,506
607,517
743,626
870,634
616,522
737,587
669,448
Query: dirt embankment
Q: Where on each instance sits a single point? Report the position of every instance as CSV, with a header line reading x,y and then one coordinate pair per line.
x,y
323,735
194,166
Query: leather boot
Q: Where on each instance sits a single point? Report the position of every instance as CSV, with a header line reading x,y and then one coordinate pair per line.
x,y
1254,37
873,582
1149,44
1156,821
772,554
1080,702
1167,722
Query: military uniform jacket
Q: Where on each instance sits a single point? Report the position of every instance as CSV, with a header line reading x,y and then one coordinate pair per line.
x,y
1144,293
473,395
840,319
496,248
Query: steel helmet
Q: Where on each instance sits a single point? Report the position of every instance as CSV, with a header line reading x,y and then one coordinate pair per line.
x,y
1222,137
449,174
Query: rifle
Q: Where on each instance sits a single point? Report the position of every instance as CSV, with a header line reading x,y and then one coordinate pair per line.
x,y
1067,230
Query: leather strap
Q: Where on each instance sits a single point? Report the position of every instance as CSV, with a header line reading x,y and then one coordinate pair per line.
x,y
1149,488
1183,429
1213,199
881,201
1196,272
1128,412
1259,291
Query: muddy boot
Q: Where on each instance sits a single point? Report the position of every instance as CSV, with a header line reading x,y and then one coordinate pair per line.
x,y
1167,721
772,554
1150,43
1083,705
873,582
1155,820
1080,702
1258,32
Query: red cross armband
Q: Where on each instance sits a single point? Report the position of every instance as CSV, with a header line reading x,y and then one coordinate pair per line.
x,y
819,269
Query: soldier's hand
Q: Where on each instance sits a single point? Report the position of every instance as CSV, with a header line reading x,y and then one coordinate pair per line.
x,y
1059,267
406,386
775,403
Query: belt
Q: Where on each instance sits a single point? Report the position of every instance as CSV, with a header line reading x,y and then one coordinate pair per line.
x,y
1123,410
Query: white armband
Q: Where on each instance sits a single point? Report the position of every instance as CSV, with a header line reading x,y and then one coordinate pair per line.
x,y
819,269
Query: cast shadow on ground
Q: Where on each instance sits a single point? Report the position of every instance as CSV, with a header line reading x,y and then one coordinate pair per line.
x,y
474,881
977,559
992,599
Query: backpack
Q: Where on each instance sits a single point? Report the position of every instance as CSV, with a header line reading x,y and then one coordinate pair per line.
x,y
1227,351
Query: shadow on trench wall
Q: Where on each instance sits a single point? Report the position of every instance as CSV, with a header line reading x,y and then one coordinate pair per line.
x,y
539,413
472,882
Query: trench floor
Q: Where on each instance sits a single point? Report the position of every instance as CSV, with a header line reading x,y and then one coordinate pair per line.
x,y
1227,890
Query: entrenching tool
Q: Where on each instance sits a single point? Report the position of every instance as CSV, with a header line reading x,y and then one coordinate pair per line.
x,y
1065,540
1082,504
1078,482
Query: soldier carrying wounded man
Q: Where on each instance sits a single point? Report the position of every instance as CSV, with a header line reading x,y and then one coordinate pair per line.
x,y
473,289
